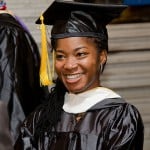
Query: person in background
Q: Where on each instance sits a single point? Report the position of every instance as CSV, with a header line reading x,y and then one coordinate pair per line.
x,y
81,114
19,69
5,135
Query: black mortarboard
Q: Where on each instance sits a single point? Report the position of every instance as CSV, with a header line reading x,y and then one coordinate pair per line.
x,y
60,10
66,17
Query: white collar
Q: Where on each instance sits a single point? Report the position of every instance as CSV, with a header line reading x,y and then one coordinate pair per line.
x,y
78,103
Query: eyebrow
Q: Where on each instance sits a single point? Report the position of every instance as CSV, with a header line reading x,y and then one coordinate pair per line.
x,y
76,49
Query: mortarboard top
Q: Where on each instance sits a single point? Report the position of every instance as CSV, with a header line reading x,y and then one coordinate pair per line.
x,y
60,10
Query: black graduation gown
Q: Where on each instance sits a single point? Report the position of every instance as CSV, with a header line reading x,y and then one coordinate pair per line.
x,y
111,124
5,137
19,71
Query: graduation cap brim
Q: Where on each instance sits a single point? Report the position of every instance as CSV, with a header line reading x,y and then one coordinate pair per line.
x,y
60,10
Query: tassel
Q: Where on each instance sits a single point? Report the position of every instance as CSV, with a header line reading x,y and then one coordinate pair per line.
x,y
53,58
45,71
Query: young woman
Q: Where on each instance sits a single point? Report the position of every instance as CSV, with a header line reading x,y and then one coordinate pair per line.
x,y
80,113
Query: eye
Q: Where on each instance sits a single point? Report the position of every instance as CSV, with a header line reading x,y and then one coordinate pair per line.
x,y
59,56
81,54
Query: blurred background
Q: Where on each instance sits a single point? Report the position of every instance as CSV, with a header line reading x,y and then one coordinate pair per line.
x,y
128,68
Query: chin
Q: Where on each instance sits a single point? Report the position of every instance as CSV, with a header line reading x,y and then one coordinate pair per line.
x,y
76,90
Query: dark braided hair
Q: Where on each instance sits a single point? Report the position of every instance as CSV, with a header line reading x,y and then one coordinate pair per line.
x,y
51,110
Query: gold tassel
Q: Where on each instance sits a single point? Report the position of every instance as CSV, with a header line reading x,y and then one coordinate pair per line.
x,y
53,58
45,71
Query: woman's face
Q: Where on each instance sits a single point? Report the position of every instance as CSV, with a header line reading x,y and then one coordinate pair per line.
x,y
77,63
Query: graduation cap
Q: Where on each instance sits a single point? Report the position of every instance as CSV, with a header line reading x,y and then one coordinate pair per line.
x,y
72,18
68,12
60,10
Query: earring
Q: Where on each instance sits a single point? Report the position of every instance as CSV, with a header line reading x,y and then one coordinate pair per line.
x,y
101,68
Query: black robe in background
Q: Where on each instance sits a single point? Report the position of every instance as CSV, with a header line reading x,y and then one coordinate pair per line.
x,y
19,71
111,124
5,136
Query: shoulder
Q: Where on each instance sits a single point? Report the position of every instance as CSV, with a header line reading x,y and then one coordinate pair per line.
x,y
126,110
129,110
126,115
126,125
10,25
31,121
116,104
27,130
117,108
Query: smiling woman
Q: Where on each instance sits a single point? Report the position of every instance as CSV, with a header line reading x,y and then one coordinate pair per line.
x,y
80,114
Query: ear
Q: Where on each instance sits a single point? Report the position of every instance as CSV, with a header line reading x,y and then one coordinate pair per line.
x,y
103,57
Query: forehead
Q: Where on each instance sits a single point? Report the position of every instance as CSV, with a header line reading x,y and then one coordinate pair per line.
x,y
75,44
74,40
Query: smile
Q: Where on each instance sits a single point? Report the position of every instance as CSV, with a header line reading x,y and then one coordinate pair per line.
x,y
73,76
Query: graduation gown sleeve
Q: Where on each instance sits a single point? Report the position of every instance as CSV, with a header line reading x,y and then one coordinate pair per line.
x,y
125,131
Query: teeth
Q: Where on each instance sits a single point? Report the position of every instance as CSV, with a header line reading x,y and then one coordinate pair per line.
x,y
73,76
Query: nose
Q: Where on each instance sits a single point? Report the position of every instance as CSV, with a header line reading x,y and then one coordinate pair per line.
x,y
70,63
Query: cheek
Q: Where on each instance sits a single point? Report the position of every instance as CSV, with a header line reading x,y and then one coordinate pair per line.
x,y
95,67
58,67
93,63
